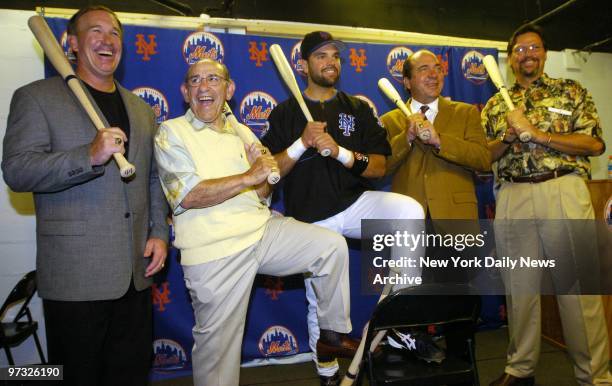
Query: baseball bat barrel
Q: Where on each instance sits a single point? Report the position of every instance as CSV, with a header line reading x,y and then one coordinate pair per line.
x,y
391,92
495,75
56,56
353,370
247,138
286,73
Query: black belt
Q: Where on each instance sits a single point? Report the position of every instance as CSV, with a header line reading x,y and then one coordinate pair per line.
x,y
540,177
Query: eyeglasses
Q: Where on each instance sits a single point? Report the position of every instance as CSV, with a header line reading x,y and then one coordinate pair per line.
x,y
522,50
211,80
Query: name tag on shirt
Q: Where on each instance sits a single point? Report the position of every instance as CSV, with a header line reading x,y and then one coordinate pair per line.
x,y
559,111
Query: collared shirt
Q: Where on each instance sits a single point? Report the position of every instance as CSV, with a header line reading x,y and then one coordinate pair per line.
x,y
199,125
560,106
180,176
415,107
189,151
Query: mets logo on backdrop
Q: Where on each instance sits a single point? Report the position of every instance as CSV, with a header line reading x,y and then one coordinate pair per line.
x,y
296,55
156,100
146,48
258,55
168,355
255,109
358,58
278,341
66,47
161,295
395,61
473,68
202,45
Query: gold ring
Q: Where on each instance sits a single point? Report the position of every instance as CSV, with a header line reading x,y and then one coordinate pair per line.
x,y
118,141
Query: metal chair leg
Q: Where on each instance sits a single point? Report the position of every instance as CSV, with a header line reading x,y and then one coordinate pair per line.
x,y
9,356
39,347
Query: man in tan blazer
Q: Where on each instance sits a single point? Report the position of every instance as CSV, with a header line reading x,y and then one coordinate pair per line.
x,y
436,172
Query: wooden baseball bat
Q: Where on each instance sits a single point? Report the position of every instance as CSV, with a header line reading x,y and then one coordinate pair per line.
x,y
387,88
353,370
248,138
286,72
56,56
493,70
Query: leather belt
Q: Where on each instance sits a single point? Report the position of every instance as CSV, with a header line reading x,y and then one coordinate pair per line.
x,y
540,177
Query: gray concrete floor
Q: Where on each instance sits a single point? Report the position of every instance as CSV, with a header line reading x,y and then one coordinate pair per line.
x,y
554,369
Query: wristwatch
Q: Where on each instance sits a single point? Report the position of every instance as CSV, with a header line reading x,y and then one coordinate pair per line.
x,y
503,138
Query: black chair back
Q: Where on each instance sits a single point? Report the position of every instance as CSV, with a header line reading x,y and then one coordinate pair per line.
x,y
22,292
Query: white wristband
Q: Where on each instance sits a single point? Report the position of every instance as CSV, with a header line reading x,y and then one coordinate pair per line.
x,y
345,156
296,149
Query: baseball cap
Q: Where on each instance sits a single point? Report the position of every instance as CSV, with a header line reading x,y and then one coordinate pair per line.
x,y
317,39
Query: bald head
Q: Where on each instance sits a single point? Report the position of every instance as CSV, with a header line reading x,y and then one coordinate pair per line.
x,y
423,76
409,62
221,67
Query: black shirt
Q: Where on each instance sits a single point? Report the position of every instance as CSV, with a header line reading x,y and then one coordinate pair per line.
x,y
319,187
111,105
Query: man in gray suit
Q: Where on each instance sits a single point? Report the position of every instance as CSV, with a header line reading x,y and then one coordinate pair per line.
x,y
99,238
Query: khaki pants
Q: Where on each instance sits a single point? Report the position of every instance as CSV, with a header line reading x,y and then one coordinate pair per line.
x,y
220,292
584,326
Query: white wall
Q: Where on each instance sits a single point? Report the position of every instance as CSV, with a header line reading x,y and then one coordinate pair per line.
x,y
21,62
595,73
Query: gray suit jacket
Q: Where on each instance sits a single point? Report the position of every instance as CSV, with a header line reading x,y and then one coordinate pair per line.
x,y
91,226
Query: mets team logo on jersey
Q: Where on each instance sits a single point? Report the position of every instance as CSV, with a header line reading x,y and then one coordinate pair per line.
x,y
473,68
168,355
346,124
255,109
296,55
202,45
395,61
66,47
278,341
156,100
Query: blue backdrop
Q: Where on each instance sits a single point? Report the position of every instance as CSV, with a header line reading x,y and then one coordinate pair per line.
x,y
154,63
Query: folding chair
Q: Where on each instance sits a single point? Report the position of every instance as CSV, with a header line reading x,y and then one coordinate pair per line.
x,y
417,308
14,333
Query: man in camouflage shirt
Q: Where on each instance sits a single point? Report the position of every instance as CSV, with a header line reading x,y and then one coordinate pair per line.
x,y
543,179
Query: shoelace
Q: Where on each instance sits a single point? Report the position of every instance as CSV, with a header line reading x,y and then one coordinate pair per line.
x,y
409,342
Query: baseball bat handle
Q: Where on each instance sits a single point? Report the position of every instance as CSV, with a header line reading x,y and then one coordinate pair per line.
x,y
524,136
353,370
55,54
274,175
323,152
493,69
286,72
126,169
423,133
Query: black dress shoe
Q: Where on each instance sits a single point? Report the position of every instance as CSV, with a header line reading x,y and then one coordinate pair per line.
x,y
510,380
334,380
332,345
417,343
